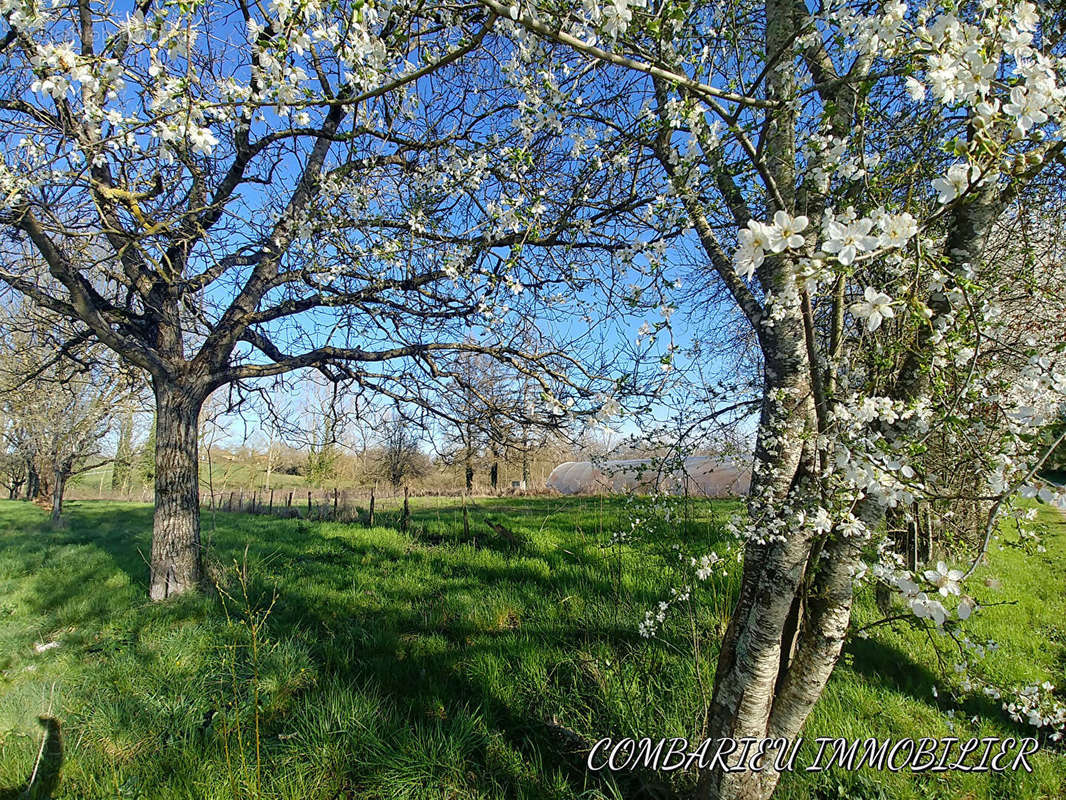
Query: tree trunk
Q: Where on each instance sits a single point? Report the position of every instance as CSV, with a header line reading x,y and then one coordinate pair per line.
x,y
769,641
176,554
762,644
468,458
120,474
58,487
45,479
774,665
33,482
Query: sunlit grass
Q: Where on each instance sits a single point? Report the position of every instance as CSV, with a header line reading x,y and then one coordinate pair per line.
x,y
429,664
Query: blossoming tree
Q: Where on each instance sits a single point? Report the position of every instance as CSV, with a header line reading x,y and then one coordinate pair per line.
x,y
57,397
222,193
852,175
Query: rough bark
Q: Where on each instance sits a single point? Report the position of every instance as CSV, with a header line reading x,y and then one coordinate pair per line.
x,y
754,647
756,658
825,628
176,565
58,488
33,482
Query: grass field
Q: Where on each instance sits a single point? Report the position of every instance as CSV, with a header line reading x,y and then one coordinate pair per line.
x,y
345,662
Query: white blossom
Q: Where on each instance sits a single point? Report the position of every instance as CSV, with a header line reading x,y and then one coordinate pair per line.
x,y
946,580
875,307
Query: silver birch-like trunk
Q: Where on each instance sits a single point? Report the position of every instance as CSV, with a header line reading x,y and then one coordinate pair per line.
x,y
761,633
778,651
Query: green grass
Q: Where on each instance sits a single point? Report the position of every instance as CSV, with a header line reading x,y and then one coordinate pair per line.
x,y
225,475
885,685
436,665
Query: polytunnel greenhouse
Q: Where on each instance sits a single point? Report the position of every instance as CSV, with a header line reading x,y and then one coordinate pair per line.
x,y
698,476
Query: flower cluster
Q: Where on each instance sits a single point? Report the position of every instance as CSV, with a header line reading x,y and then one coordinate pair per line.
x,y
758,238
959,179
874,307
613,18
921,603
1037,705
180,133
59,69
846,236
701,568
12,186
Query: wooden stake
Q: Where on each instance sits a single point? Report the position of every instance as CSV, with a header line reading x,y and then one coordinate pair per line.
x,y
929,534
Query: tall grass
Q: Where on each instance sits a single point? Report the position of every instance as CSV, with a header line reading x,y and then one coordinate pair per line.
x,y
337,661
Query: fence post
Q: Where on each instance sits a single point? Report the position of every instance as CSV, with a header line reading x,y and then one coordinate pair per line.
x,y
405,518
229,505
255,501
334,503
370,522
271,509
288,501
309,504
929,533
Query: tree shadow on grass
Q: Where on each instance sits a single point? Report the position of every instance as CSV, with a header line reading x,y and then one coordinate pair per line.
x,y
885,665
369,614
91,574
417,679
123,533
